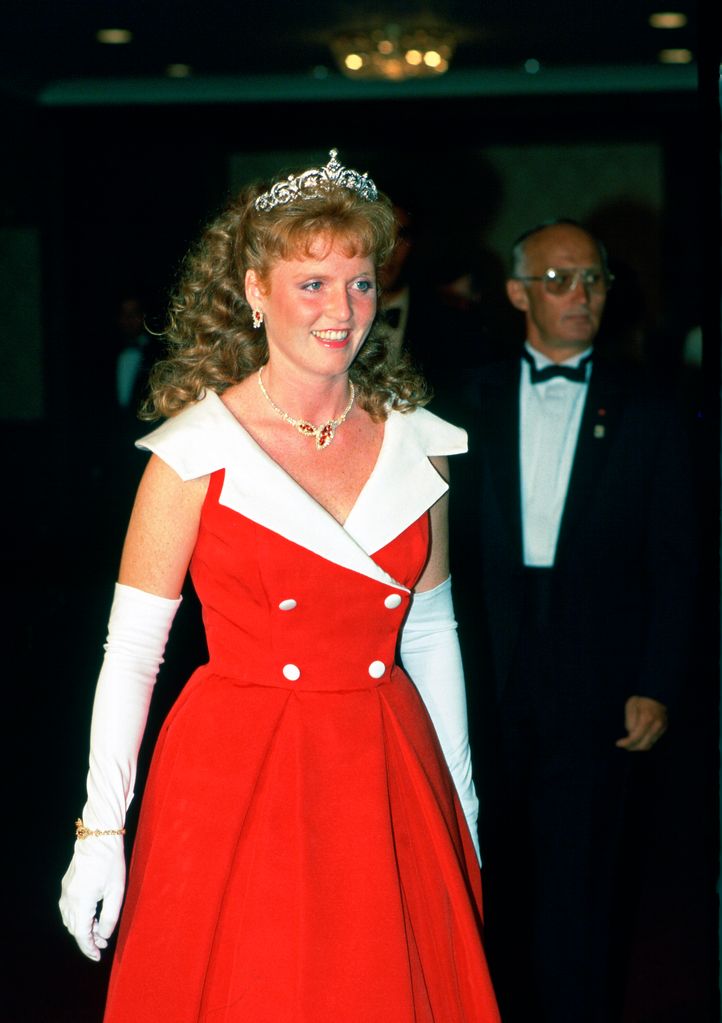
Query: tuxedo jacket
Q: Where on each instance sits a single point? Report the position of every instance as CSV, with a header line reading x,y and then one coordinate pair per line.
x,y
623,582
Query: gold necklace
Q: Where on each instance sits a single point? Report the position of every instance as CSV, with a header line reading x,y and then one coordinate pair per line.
x,y
325,432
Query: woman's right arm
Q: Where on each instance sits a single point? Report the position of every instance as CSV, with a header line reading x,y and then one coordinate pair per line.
x,y
161,536
163,530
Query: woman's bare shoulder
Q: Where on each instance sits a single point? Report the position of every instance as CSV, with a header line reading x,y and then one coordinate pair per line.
x,y
163,530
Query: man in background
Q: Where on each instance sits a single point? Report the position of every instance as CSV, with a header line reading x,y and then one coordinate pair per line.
x,y
578,574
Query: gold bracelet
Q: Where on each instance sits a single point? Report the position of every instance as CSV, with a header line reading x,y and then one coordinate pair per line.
x,y
82,832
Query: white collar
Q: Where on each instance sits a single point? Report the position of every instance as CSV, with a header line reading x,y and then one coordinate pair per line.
x,y
403,484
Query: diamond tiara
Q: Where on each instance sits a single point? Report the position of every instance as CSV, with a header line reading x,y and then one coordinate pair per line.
x,y
314,183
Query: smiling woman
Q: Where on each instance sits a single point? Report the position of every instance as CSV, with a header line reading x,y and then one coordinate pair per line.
x,y
322,304
211,336
307,845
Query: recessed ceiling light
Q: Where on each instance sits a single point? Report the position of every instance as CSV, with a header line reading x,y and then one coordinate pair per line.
x,y
114,36
668,19
680,56
178,70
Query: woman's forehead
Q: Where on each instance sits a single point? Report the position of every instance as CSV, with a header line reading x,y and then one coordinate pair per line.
x,y
333,259
322,245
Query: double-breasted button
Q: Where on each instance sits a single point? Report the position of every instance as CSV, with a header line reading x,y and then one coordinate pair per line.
x,y
288,605
292,672
393,600
376,669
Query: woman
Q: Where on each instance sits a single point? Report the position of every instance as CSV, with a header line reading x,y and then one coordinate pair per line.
x,y
301,854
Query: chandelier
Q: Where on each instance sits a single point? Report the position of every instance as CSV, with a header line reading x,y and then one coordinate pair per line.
x,y
394,52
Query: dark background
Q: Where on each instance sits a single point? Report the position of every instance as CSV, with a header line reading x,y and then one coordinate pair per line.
x,y
110,170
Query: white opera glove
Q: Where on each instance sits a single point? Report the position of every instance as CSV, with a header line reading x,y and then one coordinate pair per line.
x,y
137,634
431,656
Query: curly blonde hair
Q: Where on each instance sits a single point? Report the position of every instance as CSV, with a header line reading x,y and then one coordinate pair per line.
x,y
210,339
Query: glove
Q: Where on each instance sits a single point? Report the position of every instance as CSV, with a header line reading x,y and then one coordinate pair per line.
x,y
431,656
137,634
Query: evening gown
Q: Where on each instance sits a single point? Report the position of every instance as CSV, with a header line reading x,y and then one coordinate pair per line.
x,y
301,855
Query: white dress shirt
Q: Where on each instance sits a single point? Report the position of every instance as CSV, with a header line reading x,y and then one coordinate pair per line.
x,y
549,418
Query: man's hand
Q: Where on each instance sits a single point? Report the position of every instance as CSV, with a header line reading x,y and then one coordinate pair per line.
x,y
646,721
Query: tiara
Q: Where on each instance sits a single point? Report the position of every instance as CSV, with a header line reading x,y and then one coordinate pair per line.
x,y
314,183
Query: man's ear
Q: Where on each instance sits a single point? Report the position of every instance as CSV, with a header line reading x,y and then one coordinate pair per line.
x,y
517,295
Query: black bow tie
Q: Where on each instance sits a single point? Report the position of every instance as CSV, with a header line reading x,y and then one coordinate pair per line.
x,y
578,374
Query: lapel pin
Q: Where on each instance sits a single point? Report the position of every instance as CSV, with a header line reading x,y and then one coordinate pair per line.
x,y
599,431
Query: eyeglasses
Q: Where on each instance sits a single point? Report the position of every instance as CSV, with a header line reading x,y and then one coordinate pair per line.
x,y
562,281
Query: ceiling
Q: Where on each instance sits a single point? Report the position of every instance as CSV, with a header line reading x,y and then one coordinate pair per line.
x,y
50,51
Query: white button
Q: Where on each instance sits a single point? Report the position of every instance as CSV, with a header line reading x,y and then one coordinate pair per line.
x,y
288,605
292,672
393,600
376,669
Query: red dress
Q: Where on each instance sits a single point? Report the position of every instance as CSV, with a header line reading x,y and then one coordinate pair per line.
x,y
301,854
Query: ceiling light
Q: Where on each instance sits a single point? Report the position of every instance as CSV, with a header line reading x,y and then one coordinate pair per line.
x,y
680,56
114,36
394,52
668,19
